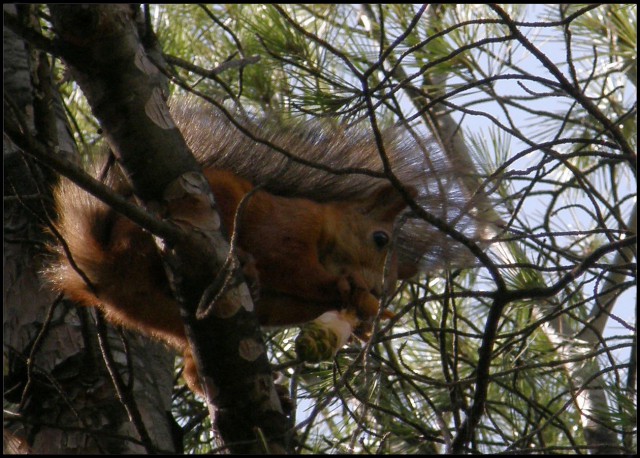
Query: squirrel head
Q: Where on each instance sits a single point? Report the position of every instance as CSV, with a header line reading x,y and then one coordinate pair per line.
x,y
358,236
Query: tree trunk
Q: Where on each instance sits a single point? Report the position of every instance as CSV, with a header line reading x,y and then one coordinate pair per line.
x,y
101,46
63,400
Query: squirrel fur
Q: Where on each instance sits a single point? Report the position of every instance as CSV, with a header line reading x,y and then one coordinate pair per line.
x,y
312,240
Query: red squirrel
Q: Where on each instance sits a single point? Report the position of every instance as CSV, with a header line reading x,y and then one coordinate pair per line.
x,y
318,241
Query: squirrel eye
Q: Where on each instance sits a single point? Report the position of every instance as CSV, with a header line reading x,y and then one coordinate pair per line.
x,y
381,239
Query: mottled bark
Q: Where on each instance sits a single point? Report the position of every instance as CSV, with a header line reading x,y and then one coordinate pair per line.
x,y
59,397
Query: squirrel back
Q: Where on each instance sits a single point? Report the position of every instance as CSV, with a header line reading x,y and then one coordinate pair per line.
x,y
415,159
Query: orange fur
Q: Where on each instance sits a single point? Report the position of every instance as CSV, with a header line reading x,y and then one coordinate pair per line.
x,y
310,258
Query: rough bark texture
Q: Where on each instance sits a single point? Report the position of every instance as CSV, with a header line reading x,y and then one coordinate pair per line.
x,y
123,87
70,405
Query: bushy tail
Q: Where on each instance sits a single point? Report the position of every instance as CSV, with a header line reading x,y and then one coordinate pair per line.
x,y
104,260
82,258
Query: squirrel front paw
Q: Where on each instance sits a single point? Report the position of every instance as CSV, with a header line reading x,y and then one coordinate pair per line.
x,y
250,273
356,296
366,304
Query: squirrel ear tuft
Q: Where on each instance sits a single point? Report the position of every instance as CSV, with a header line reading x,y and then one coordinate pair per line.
x,y
386,203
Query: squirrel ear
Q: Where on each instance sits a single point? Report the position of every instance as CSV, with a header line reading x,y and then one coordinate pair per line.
x,y
386,203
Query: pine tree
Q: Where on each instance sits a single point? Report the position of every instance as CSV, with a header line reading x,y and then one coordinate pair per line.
x,y
532,348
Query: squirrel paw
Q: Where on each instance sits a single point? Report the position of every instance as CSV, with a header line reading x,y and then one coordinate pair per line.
x,y
282,391
356,296
250,272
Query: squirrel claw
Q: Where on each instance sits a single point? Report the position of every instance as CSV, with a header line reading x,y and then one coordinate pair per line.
x,y
250,273
356,296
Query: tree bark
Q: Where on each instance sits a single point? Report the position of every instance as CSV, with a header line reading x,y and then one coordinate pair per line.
x,y
123,87
60,397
